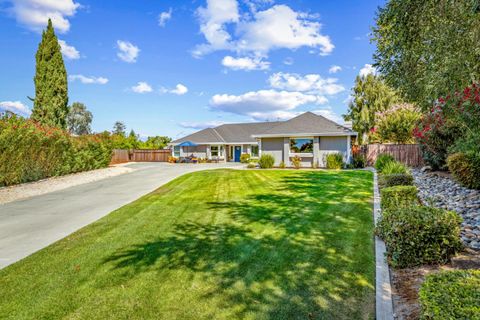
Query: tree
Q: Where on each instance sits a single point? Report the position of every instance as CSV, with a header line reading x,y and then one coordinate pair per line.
x,y
133,140
119,128
369,96
79,119
427,48
397,123
157,142
51,87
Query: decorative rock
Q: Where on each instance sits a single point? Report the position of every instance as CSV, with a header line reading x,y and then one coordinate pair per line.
x,y
426,168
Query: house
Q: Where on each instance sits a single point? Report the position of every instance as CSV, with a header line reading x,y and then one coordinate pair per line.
x,y
309,136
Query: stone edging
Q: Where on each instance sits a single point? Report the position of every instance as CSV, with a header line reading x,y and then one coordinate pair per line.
x,y
383,288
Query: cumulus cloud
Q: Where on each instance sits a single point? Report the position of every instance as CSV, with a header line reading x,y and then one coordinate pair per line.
x,y
366,70
88,80
142,87
310,83
329,114
16,107
259,32
128,52
163,17
179,90
334,69
245,63
201,125
68,51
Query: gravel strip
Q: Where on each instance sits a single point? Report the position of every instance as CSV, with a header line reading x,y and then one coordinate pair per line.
x,y
443,192
27,190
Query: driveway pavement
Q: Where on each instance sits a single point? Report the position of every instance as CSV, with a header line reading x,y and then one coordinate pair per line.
x,y
31,224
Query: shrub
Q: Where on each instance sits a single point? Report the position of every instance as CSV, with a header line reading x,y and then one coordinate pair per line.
x,y
382,160
396,179
398,197
266,161
419,235
334,161
282,165
297,162
251,165
394,167
451,295
465,167
244,158
359,161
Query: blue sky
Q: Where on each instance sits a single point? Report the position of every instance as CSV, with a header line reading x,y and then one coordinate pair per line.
x,y
172,67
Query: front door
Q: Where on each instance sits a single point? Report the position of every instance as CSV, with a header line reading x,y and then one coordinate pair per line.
x,y
238,152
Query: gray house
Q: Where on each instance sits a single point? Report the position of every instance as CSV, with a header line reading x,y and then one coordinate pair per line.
x,y
308,136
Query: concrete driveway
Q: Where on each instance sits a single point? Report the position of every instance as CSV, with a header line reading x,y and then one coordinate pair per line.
x,y
31,224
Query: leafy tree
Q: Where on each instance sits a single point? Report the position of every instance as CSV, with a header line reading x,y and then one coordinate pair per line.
x,y
369,96
426,48
397,124
157,142
51,87
119,128
79,119
133,140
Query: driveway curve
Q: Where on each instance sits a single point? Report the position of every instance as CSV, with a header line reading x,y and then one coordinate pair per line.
x,y
31,224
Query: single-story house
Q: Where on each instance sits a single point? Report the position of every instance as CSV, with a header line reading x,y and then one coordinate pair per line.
x,y
309,136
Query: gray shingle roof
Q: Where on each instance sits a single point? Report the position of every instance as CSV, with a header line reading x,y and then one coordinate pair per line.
x,y
307,123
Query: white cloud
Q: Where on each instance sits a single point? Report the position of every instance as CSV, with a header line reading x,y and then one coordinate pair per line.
x,y
88,80
179,90
260,32
16,107
142,87
201,125
128,51
334,69
329,114
245,63
310,83
68,51
164,17
366,70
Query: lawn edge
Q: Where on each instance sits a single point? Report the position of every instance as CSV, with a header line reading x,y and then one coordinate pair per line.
x,y
383,287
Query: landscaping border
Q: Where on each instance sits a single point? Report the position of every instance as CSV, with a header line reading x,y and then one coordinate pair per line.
x,y
383,288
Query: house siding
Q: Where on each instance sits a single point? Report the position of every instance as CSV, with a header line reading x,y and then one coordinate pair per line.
x,y
332,145
274,147
199,151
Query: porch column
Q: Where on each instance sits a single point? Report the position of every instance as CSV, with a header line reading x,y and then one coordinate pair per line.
x,y
286,151
349,148
209,152
259,147
316,150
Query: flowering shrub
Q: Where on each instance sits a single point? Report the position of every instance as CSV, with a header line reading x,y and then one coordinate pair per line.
x,y
30,151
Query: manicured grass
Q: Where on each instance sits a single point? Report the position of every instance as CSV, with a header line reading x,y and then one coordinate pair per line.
x,y
219,244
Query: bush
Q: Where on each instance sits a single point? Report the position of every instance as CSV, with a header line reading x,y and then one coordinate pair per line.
x,y
282,165
396,179
382,160
334,161
359,161
30,151
399,197
465,167
266,161
451,295
419,235
297,162
251,165
394,167
244,158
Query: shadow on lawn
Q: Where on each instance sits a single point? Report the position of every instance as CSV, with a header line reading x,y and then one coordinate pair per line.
x,y
281,256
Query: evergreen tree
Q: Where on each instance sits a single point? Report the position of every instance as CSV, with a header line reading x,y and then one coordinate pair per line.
x,y
50,105
119,128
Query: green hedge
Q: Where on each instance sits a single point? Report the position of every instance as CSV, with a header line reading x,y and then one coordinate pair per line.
x,y
419,235
451,295
266,161
382,160
244,158
394,167
30,152
334,161
399,197
359,161
397,179
465,167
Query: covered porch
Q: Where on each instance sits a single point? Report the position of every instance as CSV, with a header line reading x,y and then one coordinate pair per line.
x,y
215,152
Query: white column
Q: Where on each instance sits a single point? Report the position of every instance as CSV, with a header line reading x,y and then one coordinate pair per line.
x,y
316,150
286,151
259,148
349,148
209,153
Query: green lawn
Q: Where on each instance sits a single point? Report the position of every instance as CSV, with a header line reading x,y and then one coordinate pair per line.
x,y
221,244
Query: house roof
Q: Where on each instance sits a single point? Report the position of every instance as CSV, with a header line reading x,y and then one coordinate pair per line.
x,y
306,124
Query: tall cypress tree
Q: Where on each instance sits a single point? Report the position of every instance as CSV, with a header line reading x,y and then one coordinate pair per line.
x,y
50,105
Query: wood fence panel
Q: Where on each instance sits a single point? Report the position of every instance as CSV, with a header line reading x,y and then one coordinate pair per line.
x,y
151,155
409,154
120,156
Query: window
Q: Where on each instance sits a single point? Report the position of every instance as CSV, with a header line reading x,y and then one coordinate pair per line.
x,y
176,151
254,151
214,150
301,145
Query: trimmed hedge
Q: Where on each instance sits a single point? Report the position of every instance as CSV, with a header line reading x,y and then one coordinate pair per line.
x,y
382,160
266,161
399,197
397,179
465,167
451,295
244,158
334,161
419,235
30,151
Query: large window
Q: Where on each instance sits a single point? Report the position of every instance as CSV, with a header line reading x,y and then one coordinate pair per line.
x,y
254,151
176,151
214,150
301,145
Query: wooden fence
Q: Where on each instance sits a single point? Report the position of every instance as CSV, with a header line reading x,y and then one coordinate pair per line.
x,y
409,154
120,156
